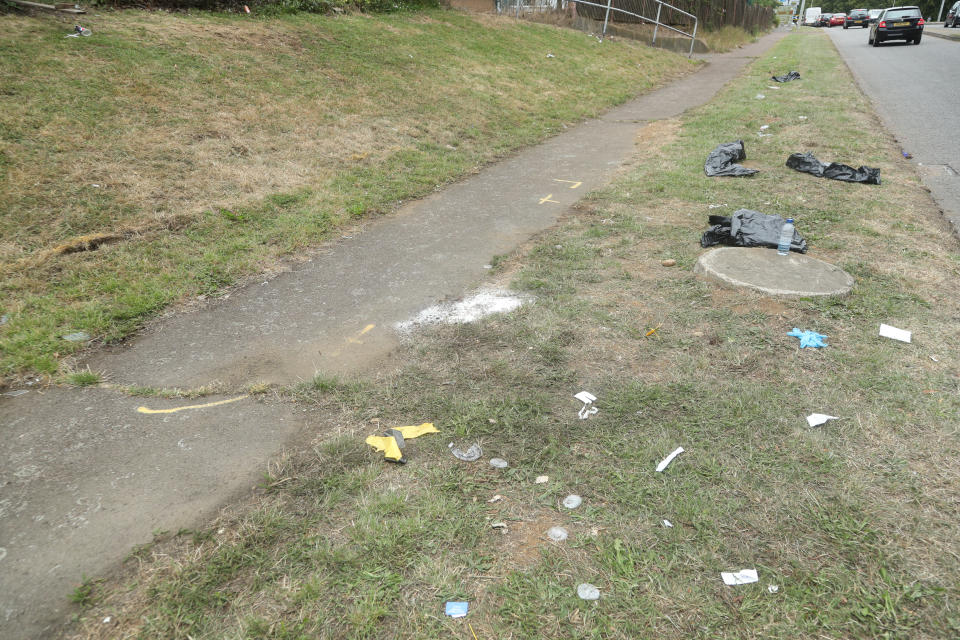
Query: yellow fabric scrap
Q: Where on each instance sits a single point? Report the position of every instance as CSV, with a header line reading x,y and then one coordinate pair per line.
x,y
388,444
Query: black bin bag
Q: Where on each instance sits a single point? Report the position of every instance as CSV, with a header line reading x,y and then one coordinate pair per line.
x,y
748,228
722,161
793,75
808,163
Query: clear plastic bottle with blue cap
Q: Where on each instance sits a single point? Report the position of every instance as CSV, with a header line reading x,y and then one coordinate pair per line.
x,y
786,237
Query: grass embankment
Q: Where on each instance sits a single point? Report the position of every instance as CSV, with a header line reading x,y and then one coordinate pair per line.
x,y
854,521
166,156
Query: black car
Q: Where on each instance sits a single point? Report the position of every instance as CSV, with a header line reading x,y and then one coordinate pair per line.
x,y
857,17
897,23
953,16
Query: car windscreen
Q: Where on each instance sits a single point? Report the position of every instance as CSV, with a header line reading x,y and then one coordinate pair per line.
x,y
900,14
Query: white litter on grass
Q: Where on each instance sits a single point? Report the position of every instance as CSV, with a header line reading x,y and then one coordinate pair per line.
x,y
717,206
760,96
802,117
668,524
499,463
817,419
587,409
483,303
663,463
557,534
541,480
772,588
587,591
744,576
764,127
572,501
886,331
496,498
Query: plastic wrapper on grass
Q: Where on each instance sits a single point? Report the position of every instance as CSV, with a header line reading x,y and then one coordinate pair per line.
x,y
808,163
787,77
723,160
748,228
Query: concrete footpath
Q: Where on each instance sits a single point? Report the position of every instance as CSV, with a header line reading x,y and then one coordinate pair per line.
x,y
87,474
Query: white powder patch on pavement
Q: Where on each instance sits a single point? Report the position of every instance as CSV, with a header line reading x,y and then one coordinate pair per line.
x,y
483,303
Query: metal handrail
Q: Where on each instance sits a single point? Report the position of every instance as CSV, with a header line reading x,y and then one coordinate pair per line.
x,y
657,24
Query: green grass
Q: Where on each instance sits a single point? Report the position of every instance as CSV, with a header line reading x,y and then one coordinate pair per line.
x,y
208,147
854,521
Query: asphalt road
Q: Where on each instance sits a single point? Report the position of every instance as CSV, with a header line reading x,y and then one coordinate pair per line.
x,y
916,91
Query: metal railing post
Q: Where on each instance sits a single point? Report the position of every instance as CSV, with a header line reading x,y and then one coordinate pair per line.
x,y
657,25
606,18
693,38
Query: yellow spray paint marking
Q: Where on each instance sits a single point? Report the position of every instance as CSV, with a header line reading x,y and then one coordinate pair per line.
x,y
573,183
192,406
547,199
362,331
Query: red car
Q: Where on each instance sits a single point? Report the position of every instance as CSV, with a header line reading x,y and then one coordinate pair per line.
x,y
837,19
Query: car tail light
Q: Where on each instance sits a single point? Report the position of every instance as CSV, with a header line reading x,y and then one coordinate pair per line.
x,y
883,24
921,22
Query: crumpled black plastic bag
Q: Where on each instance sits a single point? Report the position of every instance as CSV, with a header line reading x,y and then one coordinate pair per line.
x,y
748,228
722,161
793,75
807,163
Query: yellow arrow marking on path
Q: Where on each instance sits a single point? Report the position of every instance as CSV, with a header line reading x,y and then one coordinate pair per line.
x,y
547,199
573,183
192,406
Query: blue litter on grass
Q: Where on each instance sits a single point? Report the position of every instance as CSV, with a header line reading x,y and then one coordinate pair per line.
x,y
808,338
457,609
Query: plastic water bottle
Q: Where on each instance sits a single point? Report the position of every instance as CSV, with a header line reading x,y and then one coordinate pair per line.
x,y
786,237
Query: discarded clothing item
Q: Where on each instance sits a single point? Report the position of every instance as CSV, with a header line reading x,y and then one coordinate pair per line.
x,y
457,609
392,441
744,576
470,455
808,163
722,161
808,338
748,228
793,75
817,419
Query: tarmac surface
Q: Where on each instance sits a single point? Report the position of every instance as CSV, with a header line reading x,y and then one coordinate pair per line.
x,y
87,474
916,91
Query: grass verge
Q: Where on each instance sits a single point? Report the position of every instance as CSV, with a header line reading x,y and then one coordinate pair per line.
x,y
168,155
853,522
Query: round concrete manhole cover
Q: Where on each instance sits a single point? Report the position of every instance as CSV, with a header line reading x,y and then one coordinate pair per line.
x,y
762,270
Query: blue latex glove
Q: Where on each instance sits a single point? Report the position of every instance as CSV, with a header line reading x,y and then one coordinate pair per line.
x,y
808,338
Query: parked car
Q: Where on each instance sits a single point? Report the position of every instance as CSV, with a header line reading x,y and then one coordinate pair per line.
x,y
953,16
837,19
858,17
897,23
873,14
823,20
